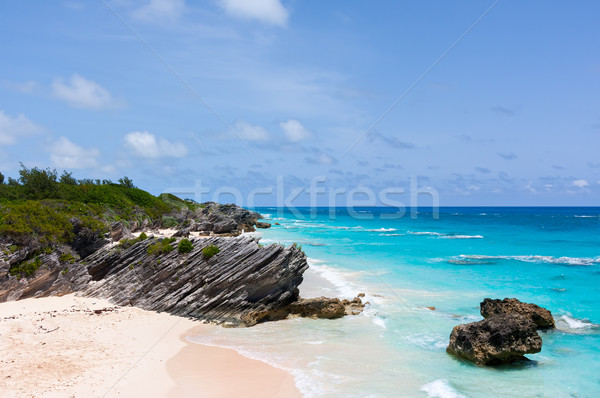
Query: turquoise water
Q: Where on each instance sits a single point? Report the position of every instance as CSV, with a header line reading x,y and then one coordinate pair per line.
x,y
550,256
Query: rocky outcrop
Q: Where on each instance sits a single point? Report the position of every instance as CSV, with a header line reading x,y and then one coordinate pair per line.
x,y
243,284
263,225
540,316
316,308
499,339
508,332
223,219
242,278
354,306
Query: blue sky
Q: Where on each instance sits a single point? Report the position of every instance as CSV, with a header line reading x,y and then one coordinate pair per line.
x,y
261,91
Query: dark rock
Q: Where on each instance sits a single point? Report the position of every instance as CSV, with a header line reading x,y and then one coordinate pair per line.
x,y
500,339
321,307
277,223
540,316
263,225
86,240
242,278
118,231
182,233
224,226
204,226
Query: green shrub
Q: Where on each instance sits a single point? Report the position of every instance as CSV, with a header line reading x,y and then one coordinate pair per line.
x,y
26,268
210,251
185,246
169,222
127,243
66,257
35,220
160,247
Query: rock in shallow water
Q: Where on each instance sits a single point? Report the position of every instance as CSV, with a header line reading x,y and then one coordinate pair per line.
x,y
499,339
540,316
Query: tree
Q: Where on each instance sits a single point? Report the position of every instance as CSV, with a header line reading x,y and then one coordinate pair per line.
x,y
67,178
127,182
1,178
12,182
37,182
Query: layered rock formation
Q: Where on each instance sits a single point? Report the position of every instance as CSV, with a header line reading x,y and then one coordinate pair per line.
x,y
244,283
508,332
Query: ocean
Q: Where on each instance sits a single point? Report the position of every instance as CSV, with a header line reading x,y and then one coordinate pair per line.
x,y
404,264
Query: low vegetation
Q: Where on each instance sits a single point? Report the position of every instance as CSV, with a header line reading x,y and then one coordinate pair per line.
x,y
25,268
127,243
162,246
210,251
185,246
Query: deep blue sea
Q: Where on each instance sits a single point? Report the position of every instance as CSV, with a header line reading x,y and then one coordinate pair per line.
x,y
548,256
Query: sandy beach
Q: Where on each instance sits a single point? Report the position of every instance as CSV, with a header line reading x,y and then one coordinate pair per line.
x,y
86,347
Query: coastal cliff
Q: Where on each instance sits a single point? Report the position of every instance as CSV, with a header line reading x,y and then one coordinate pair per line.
x,y
104,241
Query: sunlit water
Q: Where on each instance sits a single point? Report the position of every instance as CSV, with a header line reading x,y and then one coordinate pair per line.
x,y
549,256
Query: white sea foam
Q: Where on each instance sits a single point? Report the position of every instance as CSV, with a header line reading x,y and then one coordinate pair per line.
x,y
586,216
441,388
533,259
428,341
462,237
339,279
382,230
570,324
392,234
445,236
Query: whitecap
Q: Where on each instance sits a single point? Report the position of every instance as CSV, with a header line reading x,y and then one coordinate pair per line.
x,y
569,324
441,388
531,259
462,237
382,230
392,234
427,233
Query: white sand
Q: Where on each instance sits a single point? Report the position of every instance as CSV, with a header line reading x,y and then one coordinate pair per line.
x,y
59,347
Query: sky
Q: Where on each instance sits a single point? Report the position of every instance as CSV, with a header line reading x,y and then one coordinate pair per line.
x,y
288,102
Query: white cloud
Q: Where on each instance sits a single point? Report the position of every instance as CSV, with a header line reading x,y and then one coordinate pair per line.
x,y
580,183
295,131
146,145
250,132
12,128
68,155
321,159
160,10
268,11
82,93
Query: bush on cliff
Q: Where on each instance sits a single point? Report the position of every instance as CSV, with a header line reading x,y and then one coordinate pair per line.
x,y
185,246
210,251
160,247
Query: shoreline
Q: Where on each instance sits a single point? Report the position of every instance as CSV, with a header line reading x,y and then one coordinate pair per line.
x,y
78,346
